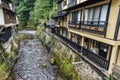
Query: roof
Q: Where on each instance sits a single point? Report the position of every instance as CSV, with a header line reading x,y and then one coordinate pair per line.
x,y
63,13
88,2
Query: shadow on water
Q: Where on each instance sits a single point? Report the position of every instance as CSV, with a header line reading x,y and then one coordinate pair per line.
x,y
33,61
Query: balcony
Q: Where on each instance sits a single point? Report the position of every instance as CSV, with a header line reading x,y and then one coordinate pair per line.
x,y
74,25
94,26
71,43
98,27
100,61
95,58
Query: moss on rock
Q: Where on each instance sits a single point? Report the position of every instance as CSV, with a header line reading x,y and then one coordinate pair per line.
x,y
52,60
7,61
65,64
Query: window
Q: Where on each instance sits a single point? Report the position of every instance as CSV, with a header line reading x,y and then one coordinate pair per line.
x,y
60,6
75,17
70,17
96,15
65,3
90,15
78,16
96,44
86,16
71,1
0,2
103,14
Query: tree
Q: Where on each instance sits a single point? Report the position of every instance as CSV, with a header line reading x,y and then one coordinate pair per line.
x,y
42,11
23,8
30,11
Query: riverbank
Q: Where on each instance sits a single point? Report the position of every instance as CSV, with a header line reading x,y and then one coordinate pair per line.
x,y
66,57
8,57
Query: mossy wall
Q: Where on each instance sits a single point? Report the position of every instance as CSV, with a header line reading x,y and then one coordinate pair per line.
x,y
62,55
7,60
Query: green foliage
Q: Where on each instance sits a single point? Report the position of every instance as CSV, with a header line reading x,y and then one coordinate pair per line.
x,y
42,10
58,56
30,12
23,8
107,78
7,61
65,64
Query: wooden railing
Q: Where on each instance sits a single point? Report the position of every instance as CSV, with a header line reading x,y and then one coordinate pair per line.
x,y
71,43
100,61
90,26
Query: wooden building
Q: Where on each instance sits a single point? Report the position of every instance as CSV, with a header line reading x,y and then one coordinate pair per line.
x,y
93,28
7,23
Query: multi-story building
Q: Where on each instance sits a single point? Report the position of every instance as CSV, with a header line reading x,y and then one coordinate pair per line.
x,y
94,26
7,23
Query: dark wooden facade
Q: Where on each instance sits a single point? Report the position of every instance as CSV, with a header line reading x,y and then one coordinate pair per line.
x,y
9,14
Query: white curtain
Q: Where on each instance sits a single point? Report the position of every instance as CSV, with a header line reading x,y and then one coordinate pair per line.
x,y
0,2
103,15
79,16
90,15
96,14
70,17
86,16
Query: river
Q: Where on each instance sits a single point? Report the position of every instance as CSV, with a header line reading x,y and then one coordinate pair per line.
x,y
33,61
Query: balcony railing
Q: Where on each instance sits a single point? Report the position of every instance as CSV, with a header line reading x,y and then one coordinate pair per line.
x,y
71,43
100,61
74,25
90,26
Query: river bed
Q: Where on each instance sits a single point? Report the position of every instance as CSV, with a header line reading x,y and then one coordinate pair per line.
x,y
33,62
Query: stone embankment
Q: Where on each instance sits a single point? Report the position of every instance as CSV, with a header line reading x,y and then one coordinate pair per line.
x,y
70,63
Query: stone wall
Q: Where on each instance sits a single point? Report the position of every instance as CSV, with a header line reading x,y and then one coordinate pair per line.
x,y
8,55
70,63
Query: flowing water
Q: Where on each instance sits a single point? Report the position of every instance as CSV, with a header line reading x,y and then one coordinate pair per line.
x,y
33,62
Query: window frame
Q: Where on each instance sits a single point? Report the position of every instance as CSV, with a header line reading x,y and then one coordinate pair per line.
x,y
65,3
74,18
117,26
92,22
